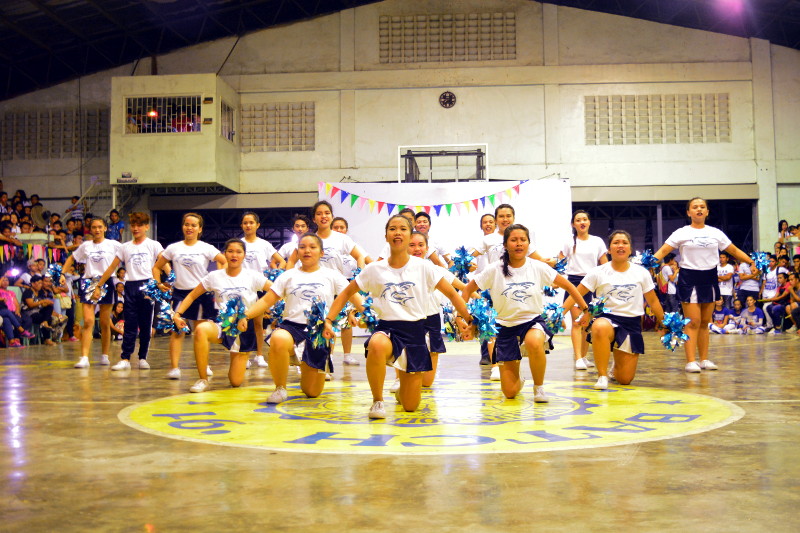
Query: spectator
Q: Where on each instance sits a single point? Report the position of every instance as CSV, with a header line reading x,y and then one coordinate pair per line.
x,y
58,320
115,226
24,280
37,308
725,272
118,320
10,312
5,207
752,319
75,210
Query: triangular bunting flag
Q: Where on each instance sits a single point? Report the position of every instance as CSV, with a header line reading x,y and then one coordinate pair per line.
x,y
389,208
371,205
437,208
475,203
400,207
516,187
362,201
483,201
491,199
353,198
466,205
427,209
380,206
449,207
458,208
320,186
334,190
328,189
509,193
343,196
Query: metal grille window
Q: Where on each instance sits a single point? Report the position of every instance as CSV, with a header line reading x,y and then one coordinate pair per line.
x,y
448,37
226,122
54,133
163,114
278,127
657,119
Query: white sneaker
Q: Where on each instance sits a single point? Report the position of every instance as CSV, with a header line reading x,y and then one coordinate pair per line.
x,y
377,410
539,396
589,362
580,364
602,383
259,360
201,385
143,364
350,360
692,367
174,373
279,395
124,364
495,375
249,363
83,362
328,377
708,365
104,360
209,372
395,385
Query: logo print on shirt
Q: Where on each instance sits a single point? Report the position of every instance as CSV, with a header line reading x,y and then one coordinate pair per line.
x,y
139,259
96,257
397,292
703,242
190,260
623,293
519,292
231,293
306,291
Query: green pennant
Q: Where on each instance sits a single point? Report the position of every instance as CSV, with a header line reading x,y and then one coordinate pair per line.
x,y
449,207
353,198
400,207
491,199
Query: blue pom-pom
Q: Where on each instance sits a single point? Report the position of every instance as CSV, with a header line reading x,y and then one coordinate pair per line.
x,y
646,259
89,285
553,316
761,259
228,317
342,322
675,336
273,273
54,272
561,266
170,278
488,295
483,318
315,322
356,272
368,316
152,292
449,327
548,291
276,311
597,306
461,263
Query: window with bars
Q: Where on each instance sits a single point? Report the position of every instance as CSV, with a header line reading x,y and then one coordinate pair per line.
x,y
163,114
657,119
226,122
447,37
277,127
54,133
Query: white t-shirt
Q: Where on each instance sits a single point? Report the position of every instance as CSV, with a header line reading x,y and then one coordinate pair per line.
x,y
587,254
139,258
492,246
435,246
771,282
286,250
258,254
400,293
434,305
753,284
624,291
190,263
96,257
386,251
225,287
699,247
666,270
725,287
520,297
336,246
349,265
298,288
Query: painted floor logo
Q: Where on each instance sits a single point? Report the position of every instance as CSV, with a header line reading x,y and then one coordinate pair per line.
x,y
454,417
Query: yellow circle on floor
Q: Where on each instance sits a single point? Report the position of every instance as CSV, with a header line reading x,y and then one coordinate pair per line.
x,y
455,417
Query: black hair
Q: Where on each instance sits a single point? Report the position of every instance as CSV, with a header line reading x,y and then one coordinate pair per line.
x,y
407,210
423,214
484,216
504,206
317,205
574,231
780,225
346,225
385,229
304,218
415,232
314,236
252,214
669,257
620,232
240,242
689,203
506,235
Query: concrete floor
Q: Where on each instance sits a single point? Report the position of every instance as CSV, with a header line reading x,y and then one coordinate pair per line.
x,y
69,464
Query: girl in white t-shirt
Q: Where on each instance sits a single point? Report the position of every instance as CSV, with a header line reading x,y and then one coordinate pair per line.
x,y
698,286
298,287
260,256
97,255
401,287
300,226
583,252
349,265
189,260
516,284
626,287
234,281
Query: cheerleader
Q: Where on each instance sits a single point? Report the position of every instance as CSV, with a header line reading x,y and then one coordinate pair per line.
x,y
336,245
698,286
298,287
300,226
583,253
261,255
401,286
189,260
408,214
488,227
97,255
234,281
516,284
349,267
625,287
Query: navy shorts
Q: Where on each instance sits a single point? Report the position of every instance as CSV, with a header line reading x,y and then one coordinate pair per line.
x,y
507,346
108,299
433,327
202,308
704,284
627,333
319,358
409,350
245,342
576,280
